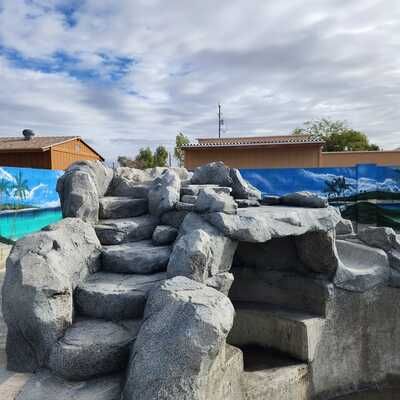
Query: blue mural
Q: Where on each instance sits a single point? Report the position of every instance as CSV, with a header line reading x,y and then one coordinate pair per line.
x,y
28,200
367,194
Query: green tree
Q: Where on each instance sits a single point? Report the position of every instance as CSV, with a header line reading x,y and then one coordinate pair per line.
x,y
4,189
21,188
338,136
145,158
180,141
160,157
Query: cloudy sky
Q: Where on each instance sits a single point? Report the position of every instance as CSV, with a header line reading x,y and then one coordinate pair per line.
x,y
129,73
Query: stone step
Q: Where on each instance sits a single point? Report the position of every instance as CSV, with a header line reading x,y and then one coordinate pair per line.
x,y
164,234
91,348
122,207
115,297
270,375
116,231
193,190
290,332
283,288
187,198
141,257
46,386
132,190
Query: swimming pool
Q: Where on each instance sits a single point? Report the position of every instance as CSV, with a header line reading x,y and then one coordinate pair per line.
x,y
16,224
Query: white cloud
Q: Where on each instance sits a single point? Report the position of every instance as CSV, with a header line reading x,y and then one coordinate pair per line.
x,y
273,65
6,176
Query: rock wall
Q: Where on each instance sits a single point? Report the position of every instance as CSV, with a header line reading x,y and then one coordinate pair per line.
x,y
152,267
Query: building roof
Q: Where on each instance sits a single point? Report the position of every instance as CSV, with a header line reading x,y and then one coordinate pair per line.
x,y
256,141
36,144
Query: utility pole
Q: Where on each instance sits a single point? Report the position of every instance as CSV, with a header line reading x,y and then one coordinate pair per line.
x,y
220,120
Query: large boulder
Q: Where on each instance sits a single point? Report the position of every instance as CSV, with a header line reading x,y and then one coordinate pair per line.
x,y
201,251
183,335
380,236
304,199
344,227
210,201
241,189
80,188
317,251
215,173
164,193
261,224
43,270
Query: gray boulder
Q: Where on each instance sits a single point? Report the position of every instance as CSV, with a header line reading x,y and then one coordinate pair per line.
x,y
183,335
43,270
264,223
81,187
215,173
304,199
126,182
317,251
201,250
164,193
164,234
221,282
380,236
344,227
174,218
209,201
241,189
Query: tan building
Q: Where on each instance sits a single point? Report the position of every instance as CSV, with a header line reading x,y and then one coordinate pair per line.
x,y
47,152
289,151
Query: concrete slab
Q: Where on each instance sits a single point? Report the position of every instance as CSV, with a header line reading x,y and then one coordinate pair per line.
x,y
11,383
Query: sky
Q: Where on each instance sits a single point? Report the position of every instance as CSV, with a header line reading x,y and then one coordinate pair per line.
x,y
132,73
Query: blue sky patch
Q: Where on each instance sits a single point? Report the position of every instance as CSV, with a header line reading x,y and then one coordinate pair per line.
x,y
112,68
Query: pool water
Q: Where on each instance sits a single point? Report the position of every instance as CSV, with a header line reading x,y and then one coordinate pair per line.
x,y
16,224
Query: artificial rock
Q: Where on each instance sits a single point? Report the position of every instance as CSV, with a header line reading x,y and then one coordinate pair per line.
x,y
42,273
209,201
156,292
81,187
304,199
164,234
164,193
190,320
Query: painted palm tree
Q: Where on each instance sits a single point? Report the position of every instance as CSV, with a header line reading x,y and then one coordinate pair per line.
x,y
21,188
4,189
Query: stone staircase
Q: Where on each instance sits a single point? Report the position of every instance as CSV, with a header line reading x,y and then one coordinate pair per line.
x,y
270,375
110,303
281,315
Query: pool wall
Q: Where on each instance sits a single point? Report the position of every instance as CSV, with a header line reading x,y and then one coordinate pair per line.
x,y
28,200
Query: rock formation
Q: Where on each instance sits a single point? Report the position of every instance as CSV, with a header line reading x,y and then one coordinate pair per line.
x,y
158,282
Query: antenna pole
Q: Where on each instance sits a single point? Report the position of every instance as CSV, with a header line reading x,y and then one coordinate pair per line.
x,y
219,120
